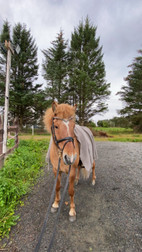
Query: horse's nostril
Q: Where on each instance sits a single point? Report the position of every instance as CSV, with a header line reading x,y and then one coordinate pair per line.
x,y
66,159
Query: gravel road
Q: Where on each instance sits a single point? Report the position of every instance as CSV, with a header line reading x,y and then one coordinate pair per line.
x,y
109,215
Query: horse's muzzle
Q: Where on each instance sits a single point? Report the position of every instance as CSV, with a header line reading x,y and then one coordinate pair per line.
x,y
69,160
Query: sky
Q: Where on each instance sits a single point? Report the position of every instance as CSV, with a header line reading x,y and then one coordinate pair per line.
x,y
118,22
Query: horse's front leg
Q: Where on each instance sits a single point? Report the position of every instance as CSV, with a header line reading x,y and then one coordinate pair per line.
x,y
72,212
55,205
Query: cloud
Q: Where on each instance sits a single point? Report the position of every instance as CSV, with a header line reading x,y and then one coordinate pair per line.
x,y
118,24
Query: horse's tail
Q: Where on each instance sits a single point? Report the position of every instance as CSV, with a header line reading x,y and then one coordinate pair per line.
x,y
84,173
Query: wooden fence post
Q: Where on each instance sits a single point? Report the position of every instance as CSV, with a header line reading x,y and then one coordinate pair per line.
x,y
6,107
13,128
17,129
1,142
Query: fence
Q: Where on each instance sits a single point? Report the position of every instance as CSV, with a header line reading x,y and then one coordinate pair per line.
x,y
14,129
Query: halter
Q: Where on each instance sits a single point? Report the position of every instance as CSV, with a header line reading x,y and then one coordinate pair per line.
x,y
66,139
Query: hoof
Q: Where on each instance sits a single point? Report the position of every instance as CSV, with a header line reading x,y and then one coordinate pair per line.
x,y
54,210
76,182
72,218
93,182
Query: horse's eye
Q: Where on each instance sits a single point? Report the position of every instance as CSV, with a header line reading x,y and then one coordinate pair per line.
x,y
56,127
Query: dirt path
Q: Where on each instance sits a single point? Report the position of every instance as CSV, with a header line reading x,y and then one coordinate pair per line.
x,y
109,215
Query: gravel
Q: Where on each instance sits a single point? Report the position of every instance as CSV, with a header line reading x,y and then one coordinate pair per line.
x,y
109,215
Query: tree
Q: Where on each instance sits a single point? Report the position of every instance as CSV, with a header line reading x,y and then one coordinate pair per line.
x,y
87,87
24,69
131,93
55,69
5,35
24,72
40,104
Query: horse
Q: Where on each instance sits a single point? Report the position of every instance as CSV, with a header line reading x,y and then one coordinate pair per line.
x,y
59,120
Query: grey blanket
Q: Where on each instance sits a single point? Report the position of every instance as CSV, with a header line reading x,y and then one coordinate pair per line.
x,y
88,151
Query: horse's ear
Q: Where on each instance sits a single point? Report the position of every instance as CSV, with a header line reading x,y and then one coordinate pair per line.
x,y
54,106
75,106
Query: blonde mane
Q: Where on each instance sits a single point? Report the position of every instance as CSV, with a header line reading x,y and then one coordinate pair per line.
x,y
63,111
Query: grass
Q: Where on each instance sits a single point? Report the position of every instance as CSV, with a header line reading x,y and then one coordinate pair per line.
x,y
115,130
18,174
114,134
119,134
35,137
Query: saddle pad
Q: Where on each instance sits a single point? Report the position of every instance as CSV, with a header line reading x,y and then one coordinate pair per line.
x,y
88,151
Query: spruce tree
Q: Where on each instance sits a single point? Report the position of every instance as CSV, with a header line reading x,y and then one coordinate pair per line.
x,y
24,69
5,35
131,93
55,69
88,87
40,104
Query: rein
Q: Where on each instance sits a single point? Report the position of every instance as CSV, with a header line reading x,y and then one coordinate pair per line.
x,y
66,139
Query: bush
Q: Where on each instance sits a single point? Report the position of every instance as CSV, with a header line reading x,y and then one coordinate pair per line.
x,y
90,124
137,122
103,123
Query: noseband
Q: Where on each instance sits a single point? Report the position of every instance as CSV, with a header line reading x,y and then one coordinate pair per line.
x,y
66,139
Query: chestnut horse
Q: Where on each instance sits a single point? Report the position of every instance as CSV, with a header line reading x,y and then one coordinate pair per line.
x,y
60,121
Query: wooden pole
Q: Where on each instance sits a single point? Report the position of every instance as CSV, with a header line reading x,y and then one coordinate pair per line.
x,y
1,141
16,124
32,130
1,135
9,51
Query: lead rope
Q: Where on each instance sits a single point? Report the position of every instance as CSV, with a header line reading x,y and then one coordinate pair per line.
x,y
56,221
48,210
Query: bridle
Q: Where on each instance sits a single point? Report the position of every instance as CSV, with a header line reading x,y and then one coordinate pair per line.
x,y
66,139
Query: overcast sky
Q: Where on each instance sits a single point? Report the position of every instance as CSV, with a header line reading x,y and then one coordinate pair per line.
x,y
119,26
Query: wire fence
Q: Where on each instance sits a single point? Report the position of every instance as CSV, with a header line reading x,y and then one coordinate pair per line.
x,y
13,129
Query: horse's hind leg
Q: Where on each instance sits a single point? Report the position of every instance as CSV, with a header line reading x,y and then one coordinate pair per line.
x,y
72,212
77,175
93,173
55,205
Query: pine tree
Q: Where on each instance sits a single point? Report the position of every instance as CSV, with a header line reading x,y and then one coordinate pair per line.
x,y
55,69
88,87
131,94
5,35
24,69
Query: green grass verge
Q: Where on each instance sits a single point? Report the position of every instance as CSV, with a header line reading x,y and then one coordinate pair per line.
x,y
115,130
119,135
114,134
19,172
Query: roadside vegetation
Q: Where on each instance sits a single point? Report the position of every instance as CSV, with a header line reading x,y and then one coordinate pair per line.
x,y
107,134
118,134
19,173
